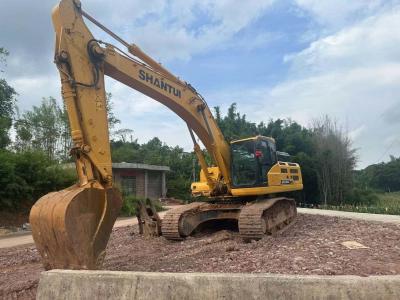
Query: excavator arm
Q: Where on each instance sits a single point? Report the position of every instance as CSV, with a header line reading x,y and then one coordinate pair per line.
x,y
71,227
178,96
83,62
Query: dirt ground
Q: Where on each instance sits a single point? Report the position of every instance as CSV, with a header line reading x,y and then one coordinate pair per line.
x,y
311,246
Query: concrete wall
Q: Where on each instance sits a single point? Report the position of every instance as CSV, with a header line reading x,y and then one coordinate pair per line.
x,y
154,184
153,180
63,284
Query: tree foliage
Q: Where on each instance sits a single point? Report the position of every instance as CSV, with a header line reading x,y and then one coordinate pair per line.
x,y
234,125
112,119
384,177
7,105
26,176
335,161
158,153
42,141
44,128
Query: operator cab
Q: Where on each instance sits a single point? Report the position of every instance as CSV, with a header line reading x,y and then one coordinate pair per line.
x,y
252,159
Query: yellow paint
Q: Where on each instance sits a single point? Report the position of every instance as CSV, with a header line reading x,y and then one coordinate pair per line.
x,y
254,138
83,64
275,177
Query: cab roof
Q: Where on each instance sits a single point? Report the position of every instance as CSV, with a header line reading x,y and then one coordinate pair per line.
x,y
255,138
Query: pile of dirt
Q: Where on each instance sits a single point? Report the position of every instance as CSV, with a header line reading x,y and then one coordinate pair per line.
x,y
312,246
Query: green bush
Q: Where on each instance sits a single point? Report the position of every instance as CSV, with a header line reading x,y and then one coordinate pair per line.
x,y
179,187
362,197
26,176
129,205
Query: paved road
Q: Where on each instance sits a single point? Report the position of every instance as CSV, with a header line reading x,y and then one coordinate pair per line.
x,y
27,238
351,215
23,239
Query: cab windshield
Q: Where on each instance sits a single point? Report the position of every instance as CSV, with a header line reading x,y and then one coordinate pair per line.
x,y
251,162
244,167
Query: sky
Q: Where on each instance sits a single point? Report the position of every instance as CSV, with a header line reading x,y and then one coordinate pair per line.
x,y
297,59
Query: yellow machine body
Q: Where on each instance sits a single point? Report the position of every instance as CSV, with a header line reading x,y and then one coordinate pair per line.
x,y
280,176
71,227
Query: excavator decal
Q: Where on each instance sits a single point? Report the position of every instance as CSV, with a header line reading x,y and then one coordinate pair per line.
x,y
143,75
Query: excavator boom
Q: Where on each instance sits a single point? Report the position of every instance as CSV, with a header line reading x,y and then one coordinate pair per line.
x,y
71,227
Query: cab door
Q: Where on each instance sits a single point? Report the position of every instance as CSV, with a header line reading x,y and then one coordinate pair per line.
x,y
265,154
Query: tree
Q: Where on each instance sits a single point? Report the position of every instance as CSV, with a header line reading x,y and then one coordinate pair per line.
x,y
335,160
7,105
381,177
124,135
158,153
3,54
112,119
28,175
44,128
234,125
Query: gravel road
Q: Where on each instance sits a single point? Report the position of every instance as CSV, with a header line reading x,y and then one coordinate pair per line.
x,y
312,246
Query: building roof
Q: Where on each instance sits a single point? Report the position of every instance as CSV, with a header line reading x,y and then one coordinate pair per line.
x,y
125,165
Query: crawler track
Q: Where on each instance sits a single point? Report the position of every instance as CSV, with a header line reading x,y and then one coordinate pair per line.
x,y
268,216
170,223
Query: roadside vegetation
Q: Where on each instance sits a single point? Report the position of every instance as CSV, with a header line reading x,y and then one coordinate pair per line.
x,y
129,205
35,144
384,203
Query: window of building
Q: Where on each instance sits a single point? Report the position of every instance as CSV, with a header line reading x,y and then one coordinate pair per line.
x,y
128,184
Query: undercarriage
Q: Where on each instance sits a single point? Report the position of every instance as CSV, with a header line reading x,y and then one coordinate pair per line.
x,y
254,219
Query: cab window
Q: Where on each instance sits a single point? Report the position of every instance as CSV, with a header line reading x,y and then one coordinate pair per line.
x,y
244,166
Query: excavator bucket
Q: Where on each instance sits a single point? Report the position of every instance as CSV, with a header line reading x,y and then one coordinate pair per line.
x,y
71,227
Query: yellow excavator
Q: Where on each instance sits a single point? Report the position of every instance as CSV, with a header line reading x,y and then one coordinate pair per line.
x,y
247,183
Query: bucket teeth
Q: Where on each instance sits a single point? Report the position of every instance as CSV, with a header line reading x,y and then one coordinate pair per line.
x,y
71,227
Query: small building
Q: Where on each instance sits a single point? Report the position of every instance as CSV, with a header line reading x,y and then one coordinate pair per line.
x,y
141,180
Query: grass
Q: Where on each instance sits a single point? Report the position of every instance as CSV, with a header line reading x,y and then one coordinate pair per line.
x,y
390,201
386,203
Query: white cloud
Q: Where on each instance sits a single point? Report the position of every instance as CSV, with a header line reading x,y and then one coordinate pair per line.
x,y
351,71
336,13
179,29
354,76
355,133
371,42
130,102
167,30
33,88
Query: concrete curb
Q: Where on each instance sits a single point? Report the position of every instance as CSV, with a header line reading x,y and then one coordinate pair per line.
x,y
67,284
